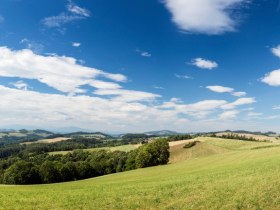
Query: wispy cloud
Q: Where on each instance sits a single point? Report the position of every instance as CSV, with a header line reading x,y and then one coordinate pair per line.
x,y
158,87
75,9
229,115
204,63
182,76
239,102
2,19
73,13
21,85
276,107
239,94
254,114
143,53
32,45
193,15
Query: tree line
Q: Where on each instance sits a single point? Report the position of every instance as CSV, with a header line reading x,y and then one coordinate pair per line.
x,y
30,168
237,137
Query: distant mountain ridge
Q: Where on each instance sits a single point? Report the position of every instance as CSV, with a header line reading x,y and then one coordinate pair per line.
x,y
161,133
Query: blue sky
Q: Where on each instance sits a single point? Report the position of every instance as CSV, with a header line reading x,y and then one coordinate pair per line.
x,y
133,66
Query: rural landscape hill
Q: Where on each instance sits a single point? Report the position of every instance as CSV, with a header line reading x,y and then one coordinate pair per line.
x,y
215,172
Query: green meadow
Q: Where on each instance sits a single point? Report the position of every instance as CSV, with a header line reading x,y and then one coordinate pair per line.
x,y
214,174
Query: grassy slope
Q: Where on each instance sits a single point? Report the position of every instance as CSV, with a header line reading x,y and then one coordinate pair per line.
x,y
236,177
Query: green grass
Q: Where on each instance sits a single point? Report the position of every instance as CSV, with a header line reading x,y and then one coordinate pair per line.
x,y
125,148
233,177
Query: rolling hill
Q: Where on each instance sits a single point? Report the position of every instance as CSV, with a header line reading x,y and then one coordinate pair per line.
x,y
214,174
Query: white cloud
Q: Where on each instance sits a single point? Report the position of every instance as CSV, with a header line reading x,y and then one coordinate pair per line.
x,y
204,16
228,115
239,94
276,51
111,114
59,72
104,114
272,78
126,95
180,76
20,85
146,54
204,64
198,110
276,107
60,20
220,89
73,13
143,53
75,9
76,44
239,102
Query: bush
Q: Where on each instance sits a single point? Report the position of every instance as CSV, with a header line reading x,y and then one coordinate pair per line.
x,y
190,144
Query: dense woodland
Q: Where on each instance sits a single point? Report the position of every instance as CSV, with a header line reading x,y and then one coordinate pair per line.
x,y
34,168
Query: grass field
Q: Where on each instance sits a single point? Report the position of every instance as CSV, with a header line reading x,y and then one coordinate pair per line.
x,y
48,141
125,148
214,174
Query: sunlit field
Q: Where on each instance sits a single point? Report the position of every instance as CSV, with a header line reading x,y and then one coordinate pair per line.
x,y
214,174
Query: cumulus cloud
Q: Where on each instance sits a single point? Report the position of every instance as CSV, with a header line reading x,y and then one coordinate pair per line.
x,y
59,72
76,44
105,114
272,78
276,51
114,114
73,13
204,16
228,115
204,64
220,89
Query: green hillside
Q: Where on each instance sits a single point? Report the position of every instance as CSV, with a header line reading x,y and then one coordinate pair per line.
x,y
232,174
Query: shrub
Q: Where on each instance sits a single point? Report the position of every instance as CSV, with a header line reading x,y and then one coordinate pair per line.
x,y
190,144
